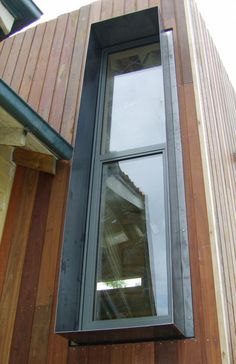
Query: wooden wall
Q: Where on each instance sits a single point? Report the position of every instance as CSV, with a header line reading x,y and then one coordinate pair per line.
x,y
216,104
45,66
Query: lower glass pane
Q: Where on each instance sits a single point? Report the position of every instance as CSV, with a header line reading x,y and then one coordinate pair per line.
x,y
132,254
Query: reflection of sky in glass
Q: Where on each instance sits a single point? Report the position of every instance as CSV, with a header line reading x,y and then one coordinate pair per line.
x,y
147,174
137,118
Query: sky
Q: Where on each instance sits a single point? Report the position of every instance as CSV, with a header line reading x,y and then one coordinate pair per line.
x,y
220,20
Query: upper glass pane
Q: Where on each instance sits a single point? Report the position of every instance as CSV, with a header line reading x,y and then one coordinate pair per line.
x,y
134,114
132,274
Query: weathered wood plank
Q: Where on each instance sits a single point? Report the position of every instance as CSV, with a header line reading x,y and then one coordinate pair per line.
x,y
183,46
35,160
142,4
57,345
167,353
22,59
143,353
209,319
6,49
153,3
118,8
130,6
78,355
29,282
31,62
14,205
52,67
13,58
50,256
106,12
10,292
12,136
58,98
71,105
41,67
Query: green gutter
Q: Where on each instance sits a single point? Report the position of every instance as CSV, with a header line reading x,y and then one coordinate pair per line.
x,y
32,122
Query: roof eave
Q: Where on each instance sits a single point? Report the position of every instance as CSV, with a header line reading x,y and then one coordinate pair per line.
x,y
33,123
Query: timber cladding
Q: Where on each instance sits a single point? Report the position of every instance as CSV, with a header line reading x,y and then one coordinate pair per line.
x,y
44,65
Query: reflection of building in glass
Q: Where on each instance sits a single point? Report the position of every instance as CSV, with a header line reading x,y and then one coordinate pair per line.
x,y
125,251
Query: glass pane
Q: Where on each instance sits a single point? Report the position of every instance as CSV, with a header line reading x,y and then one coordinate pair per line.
x,y
131,267
134,113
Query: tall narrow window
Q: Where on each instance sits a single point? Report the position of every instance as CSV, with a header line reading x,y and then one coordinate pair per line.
x,y
125,268
129,193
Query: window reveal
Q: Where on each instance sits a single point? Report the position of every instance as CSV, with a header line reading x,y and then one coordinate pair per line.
x,y
125,272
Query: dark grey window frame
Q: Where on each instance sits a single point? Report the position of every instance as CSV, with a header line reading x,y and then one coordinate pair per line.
x,y
137,27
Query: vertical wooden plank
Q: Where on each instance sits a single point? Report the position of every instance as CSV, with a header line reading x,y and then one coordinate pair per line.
x,y
183,46
142,4
209,319
52,67
58,345
13,58
189,351
75,78
49,261
41,67
78,355
14,205
144,353
95,13
122,353
167,353
106,12
10,292
99,354
167,11
6,49
58,99
118,7
153,3
31,62
22,59
130,6
27,295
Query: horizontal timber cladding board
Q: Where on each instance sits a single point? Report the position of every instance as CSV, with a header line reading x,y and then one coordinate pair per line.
x,y
18,240
47,70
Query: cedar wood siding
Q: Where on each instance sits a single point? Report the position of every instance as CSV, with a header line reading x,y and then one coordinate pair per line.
x,y
216,109
44,65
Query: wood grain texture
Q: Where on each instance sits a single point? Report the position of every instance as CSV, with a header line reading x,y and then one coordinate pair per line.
x,y
6,49
29,282
48,269
41,66
45,65
22,59
71,106
38,161
11,287
13,57
31,62
62,76
8,232
217,117
52,68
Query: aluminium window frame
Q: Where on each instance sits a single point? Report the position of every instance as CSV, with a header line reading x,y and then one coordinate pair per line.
x,y
92,232
104,34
